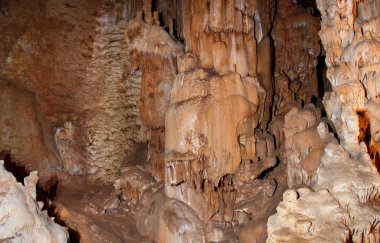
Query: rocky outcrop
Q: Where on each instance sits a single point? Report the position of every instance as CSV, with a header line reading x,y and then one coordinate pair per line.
x,y
21,216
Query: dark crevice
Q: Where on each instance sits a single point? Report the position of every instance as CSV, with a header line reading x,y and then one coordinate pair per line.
x,y
264,174
323,83
273,59
349,239
364,128
375,158
18,171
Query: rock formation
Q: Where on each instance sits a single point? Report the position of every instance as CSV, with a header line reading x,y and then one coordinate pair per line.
x,y
305,139
21,218
213,94
347,208
295,74
350,37
153,52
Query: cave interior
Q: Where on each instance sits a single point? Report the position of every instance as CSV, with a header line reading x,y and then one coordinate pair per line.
x,y
190,121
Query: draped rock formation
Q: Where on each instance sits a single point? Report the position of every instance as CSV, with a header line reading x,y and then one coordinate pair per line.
x,y
212,98
154,53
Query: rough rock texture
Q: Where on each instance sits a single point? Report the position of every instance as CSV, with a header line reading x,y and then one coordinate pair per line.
x,y
65,67
21,218
305,139
350,36
348,204
114,124
133,183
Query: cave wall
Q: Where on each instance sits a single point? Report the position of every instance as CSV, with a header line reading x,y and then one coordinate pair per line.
x,y
79,111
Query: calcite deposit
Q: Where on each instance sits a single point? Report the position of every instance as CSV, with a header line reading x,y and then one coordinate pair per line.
x,y
192,120
305,139
210,95
210,131
350,37
67,63
295,74
347,208
21,216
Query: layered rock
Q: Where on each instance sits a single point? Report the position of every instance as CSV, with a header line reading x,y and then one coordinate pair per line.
x,y
21,216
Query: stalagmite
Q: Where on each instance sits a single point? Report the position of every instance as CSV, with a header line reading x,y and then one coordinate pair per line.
x,y
21,216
